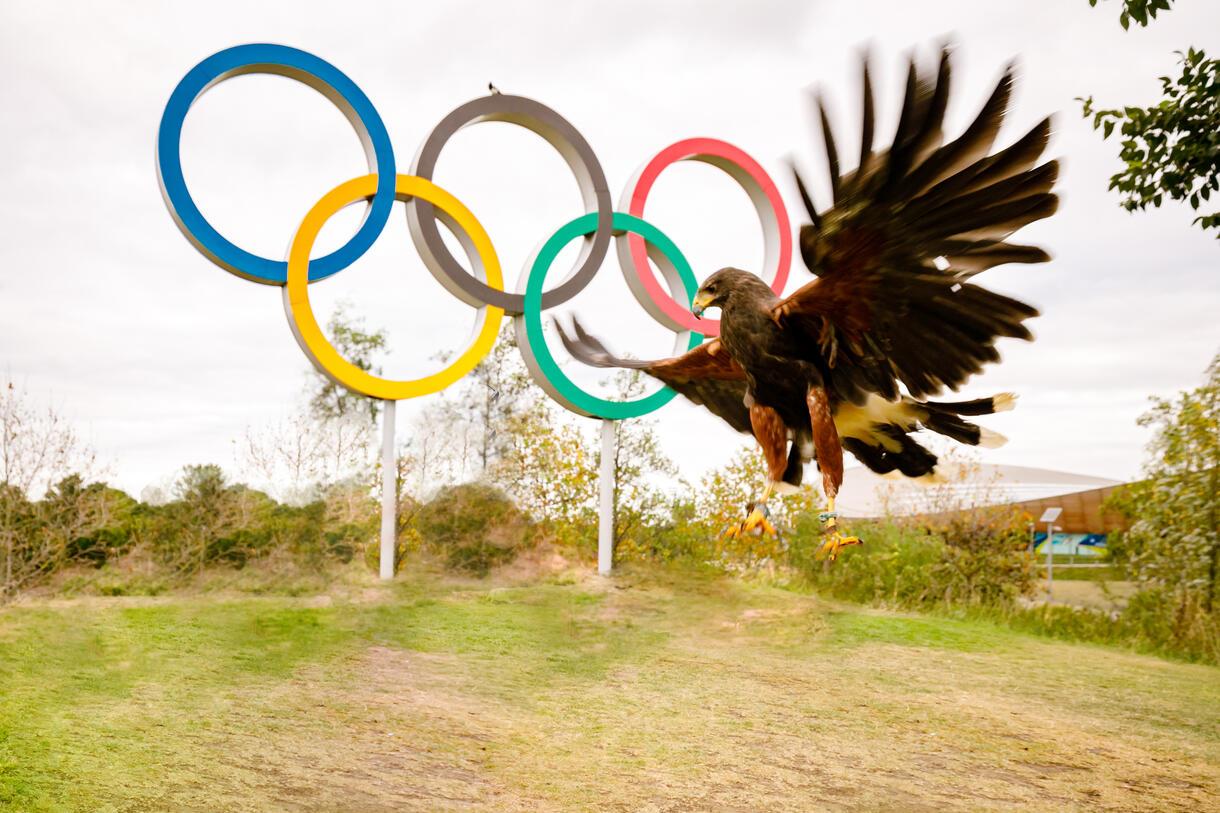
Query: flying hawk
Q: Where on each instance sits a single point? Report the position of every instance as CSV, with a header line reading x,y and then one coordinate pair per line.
x,y
850,360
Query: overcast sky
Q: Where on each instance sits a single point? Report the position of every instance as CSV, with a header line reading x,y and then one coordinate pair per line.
x,y
162,359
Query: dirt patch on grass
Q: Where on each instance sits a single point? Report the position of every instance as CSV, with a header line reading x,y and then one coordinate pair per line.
x,y
540,563
1094,595
396,738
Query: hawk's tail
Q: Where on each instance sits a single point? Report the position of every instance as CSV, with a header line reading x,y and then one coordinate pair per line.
x,y
945,418
880,433
979,406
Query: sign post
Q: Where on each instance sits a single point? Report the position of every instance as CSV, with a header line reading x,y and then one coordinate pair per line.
x,y
1049,516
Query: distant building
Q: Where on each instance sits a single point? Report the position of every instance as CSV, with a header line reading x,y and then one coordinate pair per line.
x,y
1081,528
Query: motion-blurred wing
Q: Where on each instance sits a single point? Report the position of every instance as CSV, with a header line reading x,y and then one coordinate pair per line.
x,y
711,379
908,227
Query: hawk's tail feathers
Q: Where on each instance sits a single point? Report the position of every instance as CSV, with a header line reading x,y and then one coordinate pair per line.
x,y
879,433
944,417
1003,402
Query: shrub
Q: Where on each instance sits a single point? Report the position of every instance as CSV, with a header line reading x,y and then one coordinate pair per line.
x,y
1172,547
1153,621
474,526
895,566
1173,621
683,537
975,559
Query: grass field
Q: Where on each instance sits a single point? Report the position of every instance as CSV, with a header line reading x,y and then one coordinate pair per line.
x,y
655,691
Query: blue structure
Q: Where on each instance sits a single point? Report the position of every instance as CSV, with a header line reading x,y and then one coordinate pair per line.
x,y
1072,544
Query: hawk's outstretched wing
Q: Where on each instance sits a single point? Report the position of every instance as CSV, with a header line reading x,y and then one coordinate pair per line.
x,y
711,379
905,232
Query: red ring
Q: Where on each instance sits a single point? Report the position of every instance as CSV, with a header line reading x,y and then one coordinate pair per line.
x,y
777,230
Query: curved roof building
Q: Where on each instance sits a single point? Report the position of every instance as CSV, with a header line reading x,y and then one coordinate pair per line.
x,y
971,485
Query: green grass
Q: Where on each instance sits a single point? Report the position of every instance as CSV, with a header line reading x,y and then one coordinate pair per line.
x,y
673,689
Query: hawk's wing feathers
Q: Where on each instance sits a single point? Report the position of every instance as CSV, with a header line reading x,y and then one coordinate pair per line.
x,y
907,228
711,379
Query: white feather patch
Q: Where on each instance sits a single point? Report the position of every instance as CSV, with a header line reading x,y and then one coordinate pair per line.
x,y
1004,402
853,421
990,439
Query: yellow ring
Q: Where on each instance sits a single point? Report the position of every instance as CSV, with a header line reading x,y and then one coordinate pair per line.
x,y
305,325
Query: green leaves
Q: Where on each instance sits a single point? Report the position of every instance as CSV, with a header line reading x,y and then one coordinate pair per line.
x,y
360,347
1173,542
1139,10
1171,148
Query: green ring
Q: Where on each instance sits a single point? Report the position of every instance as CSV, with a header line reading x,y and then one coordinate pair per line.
x,y
574,396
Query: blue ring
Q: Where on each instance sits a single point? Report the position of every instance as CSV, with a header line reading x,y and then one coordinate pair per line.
x,y
322,76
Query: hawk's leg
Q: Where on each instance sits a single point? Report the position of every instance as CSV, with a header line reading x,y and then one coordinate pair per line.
x,y
772,435
758,517
830,461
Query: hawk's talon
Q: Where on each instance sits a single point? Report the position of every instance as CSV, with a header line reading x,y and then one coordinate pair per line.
x,y
834,543
758,519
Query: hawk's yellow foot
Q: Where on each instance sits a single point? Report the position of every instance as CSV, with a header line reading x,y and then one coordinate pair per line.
x,y
835,541
758,520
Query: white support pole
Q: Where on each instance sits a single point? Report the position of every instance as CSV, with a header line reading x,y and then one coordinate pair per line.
x,y
389,491
605,516
1050,562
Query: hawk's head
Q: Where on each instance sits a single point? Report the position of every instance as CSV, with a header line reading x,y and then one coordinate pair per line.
x,y
726,284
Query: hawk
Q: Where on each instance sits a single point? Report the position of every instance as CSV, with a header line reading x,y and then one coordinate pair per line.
x,y
850,360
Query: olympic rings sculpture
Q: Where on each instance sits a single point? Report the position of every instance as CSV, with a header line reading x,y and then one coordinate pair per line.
x,y
637,242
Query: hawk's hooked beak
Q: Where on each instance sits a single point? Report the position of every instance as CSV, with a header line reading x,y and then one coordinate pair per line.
x,y
703,300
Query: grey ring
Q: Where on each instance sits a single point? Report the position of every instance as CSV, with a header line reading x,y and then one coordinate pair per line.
x,y
560,134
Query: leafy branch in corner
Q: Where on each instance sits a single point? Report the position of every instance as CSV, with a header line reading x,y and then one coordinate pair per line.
x,y
1171,148
1139,10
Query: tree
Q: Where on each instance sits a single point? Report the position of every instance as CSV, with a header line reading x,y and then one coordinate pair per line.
x,y
470,427
1173,543
303,457
359,346
431,450
208,519
1173,147
84,522
639,502
496,390
722,499
331,438
463,434
204,511
17,527
37,447
550,471
474,525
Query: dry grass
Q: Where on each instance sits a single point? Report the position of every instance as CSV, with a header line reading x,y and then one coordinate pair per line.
x,y
658,691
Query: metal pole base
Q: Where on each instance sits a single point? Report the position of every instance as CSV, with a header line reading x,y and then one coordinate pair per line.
x,y
605,515
389,491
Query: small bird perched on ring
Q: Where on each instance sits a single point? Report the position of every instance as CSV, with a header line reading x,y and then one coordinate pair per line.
x,y
849,360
